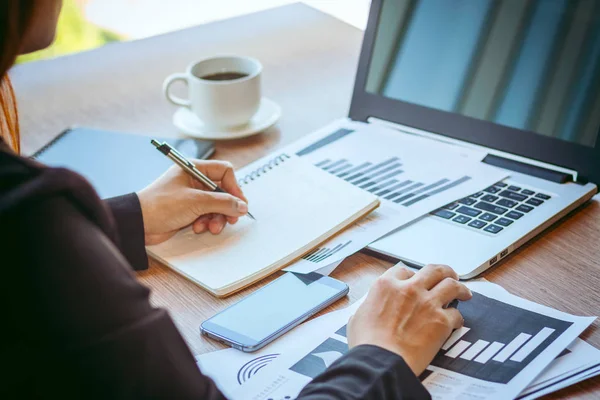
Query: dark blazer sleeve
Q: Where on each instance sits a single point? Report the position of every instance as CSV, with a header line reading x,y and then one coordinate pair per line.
x,y
369,373
127,214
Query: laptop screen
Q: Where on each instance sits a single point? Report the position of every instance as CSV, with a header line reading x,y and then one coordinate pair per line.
x,y
532,65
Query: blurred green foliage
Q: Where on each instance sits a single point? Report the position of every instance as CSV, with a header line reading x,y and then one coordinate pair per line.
x,y
73,34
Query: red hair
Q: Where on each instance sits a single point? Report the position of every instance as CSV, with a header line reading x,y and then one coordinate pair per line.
x,y
15,16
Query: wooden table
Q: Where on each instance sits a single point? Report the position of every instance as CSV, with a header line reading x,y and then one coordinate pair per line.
x,y
309,65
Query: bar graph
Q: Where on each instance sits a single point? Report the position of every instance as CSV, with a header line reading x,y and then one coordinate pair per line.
x,y
497,341
474,349
532,344
322,253
489,352
457,349
385,179
499,351
455,337
511,347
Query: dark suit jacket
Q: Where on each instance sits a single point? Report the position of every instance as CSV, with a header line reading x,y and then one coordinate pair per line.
x,y
76,322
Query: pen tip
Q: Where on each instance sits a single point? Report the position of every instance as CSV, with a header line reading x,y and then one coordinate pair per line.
x,y
251,216
154,142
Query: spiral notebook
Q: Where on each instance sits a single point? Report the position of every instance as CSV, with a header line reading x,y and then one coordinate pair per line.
x,y
297,207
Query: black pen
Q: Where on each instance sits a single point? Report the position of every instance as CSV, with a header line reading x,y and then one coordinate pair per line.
x,y
188,167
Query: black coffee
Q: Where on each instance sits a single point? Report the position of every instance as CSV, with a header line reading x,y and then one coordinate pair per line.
x,y
224,76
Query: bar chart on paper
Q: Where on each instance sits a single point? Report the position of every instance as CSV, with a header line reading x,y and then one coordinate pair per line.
x,y
411,176
385,179
346,240
497,340
323,253
392,168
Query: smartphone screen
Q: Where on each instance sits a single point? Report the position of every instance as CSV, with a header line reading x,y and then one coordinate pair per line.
x,y
271,311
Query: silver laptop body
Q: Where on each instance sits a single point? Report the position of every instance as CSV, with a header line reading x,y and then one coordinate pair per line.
x,y
520,80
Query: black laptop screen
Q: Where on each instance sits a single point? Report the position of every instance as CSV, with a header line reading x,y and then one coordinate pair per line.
x,y
532,65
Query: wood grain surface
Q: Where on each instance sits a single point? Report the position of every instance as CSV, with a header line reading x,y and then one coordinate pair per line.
x,y
309,63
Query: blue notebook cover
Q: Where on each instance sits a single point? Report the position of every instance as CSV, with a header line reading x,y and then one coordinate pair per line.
x,y
115,163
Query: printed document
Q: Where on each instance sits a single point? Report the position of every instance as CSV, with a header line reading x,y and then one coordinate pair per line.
x,y
505,343
412,176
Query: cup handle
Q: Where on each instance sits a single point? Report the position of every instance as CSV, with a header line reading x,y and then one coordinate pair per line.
x,y
178,101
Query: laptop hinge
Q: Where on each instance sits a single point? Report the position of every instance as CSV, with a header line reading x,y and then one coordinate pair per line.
x,y
528,169
498,158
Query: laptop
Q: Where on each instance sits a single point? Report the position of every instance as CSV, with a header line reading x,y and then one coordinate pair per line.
x,y
518,79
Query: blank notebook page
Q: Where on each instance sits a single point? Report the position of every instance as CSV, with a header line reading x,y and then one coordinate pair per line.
x,y
296,205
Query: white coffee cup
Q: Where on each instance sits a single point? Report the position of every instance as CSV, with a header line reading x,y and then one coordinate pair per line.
x,y
220,103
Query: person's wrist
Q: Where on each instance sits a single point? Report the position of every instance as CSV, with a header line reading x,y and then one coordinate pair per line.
x,y
146,208
415,364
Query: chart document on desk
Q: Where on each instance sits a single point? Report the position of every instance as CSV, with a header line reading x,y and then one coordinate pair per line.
x,y
411,176
504,344
497,340
374,165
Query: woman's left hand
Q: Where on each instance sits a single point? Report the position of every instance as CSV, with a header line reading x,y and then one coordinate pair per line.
x,y
176,200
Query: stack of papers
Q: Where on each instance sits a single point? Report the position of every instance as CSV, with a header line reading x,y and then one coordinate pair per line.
x,y
508,348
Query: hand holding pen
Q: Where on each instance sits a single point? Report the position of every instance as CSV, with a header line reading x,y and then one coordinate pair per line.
x,y
190,167
176,200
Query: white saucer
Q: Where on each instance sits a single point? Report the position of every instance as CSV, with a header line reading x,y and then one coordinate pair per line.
x,y
266,116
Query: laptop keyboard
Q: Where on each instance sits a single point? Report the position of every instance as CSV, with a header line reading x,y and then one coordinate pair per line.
x,y
493,209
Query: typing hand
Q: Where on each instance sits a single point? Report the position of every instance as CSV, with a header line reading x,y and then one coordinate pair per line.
x,y
404,313
176,200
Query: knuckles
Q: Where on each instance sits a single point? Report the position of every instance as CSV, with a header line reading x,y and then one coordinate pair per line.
x,y
406,273
410,291
384,284
442,269
441,319
452,284
403,290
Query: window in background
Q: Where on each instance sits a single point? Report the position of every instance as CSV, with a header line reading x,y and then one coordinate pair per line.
x,y
74,33
87,24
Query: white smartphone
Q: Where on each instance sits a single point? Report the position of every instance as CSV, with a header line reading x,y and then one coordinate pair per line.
x,y
268,313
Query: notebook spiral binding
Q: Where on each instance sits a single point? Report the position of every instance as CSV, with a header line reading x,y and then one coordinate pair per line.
x,y
257,173
50,143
